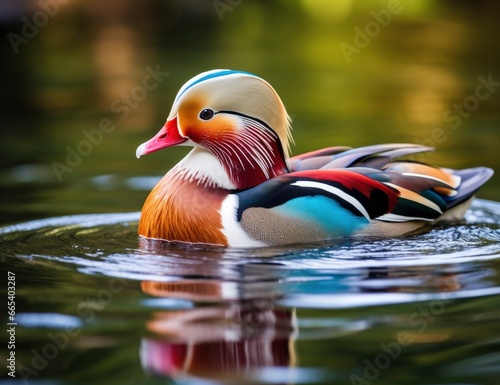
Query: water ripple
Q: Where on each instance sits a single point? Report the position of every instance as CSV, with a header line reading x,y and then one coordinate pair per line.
x,y
455,257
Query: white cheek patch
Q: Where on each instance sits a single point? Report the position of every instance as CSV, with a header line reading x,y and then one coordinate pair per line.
x,y
236,236
200,164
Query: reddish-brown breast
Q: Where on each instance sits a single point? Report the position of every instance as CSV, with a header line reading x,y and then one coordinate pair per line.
x,y
181,210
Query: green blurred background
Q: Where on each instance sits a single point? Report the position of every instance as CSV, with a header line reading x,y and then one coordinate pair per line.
x,y
350,73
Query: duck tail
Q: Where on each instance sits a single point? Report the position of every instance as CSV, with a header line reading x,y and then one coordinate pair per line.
x,y
471,180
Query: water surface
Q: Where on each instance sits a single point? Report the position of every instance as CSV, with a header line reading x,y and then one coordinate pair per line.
x,y
96,304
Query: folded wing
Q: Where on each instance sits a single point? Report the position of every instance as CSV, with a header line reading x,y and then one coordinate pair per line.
x,y
314,205
337,192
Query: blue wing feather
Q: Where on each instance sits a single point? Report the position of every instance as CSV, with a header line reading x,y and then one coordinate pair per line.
x,y
326,213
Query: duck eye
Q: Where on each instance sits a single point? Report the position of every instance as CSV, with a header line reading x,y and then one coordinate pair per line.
x,y
207,114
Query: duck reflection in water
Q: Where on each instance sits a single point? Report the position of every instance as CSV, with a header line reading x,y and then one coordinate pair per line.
x,y
234,328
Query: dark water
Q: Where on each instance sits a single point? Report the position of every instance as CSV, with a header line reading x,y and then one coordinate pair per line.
x,y
94,304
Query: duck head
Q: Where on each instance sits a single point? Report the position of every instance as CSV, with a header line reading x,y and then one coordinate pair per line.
x,y
236,118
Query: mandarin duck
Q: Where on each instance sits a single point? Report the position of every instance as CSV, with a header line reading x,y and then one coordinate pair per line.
x,y
239,188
